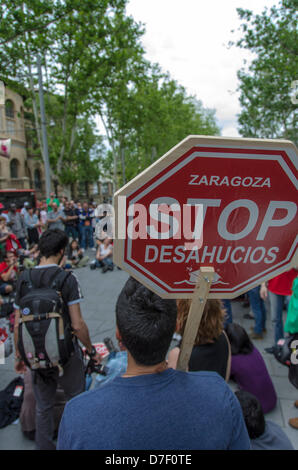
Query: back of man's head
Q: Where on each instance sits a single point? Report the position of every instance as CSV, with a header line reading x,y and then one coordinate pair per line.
x,y
145,322
52,242
252,413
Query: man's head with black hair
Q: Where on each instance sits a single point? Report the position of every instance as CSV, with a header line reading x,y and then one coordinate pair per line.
x,y
52,242
146,323
252,413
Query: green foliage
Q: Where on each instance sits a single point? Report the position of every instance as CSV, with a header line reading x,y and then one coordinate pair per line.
x,y
93,64
267,110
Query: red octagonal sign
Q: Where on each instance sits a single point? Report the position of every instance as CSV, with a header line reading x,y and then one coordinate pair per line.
x,y
242,192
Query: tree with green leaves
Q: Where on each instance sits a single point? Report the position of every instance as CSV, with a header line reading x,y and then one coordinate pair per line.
x,y
83,46
268,109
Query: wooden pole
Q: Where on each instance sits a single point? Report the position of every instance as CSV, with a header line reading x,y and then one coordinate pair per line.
x,y
197,306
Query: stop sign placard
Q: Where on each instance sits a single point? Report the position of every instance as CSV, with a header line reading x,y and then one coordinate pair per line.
x,y
241,192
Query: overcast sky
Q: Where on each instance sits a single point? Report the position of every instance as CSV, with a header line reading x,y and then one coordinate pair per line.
x,y
189,39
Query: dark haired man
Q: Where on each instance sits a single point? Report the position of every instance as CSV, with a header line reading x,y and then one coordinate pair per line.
x,y
151,406
52,245
264,435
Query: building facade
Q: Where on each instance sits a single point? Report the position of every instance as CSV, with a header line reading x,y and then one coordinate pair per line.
x,y
23,169
20,170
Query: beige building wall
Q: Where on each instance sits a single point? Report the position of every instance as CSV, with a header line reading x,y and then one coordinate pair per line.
x,y
20,171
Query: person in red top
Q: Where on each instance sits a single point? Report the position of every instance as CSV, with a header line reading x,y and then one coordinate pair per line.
x,y
8,271
279,290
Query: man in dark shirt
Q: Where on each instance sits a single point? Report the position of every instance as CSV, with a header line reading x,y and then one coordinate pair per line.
x,y
85,226
71,221
52,245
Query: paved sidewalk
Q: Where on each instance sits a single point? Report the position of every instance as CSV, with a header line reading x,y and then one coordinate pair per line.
x,y
100,292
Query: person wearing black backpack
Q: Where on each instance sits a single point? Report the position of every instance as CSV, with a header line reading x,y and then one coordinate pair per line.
x,y
48,325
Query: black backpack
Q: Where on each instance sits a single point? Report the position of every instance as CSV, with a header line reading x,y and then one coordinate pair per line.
x,y
45,337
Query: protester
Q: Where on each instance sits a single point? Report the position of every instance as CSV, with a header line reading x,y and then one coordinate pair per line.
x,y
139,409
278,290
104,255
8,273
32,258
43,217
264,434
75,256
248,368
24,209
32,223
86,215
211,349
56,218
71,221
52,246
7,238
52,200
291,327
17,225
228,309
2,213
259,312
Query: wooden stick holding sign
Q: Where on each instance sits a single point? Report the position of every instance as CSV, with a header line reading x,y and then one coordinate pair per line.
x,y
199,298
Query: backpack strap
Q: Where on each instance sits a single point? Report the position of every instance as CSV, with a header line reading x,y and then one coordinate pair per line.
x,y
27,279
58,280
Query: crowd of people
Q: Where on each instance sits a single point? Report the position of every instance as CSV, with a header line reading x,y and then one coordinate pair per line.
x,y
20,231
170,409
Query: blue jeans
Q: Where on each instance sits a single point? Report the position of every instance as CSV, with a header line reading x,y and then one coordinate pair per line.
x,y
86,232
277,303
105,262
258,309
70,230
228,309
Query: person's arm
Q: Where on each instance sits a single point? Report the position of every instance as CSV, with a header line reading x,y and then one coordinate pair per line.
x,y
5,276
80,329
50,220
263,291
173,357
20,366
228,371
5,237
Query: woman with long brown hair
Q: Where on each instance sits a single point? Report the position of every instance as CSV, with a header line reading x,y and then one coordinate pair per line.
x,y
211,351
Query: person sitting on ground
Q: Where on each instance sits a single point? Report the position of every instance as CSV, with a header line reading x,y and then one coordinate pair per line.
x,y
7,238
152,406
32,258
104,255
75,256
264,434
211,350
8,273
248,368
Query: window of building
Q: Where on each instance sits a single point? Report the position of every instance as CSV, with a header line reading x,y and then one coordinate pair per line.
x,y
9,109
10,127
14,168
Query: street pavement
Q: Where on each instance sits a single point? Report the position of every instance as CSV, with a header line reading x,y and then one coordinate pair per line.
x,y
100,295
